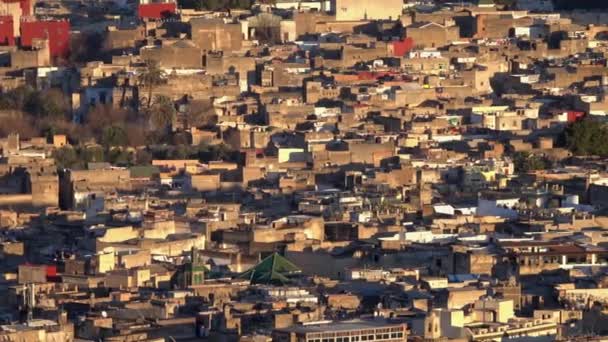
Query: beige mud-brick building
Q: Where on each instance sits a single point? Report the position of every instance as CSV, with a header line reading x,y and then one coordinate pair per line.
x,y
215,35
77,185
367,9
432,34
45,189
180,54
127,38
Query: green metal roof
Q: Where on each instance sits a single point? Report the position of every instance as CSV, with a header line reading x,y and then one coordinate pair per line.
x,y
274,269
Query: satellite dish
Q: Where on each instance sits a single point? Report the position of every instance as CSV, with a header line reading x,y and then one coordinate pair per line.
x,y
104,314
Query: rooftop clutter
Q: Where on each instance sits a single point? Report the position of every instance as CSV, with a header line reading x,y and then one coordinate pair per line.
x,y
312,170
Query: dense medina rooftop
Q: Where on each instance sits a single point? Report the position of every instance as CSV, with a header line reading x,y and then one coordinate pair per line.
x,y
189,170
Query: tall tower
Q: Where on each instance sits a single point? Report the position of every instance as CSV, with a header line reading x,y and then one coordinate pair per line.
x,y
197,268
193,271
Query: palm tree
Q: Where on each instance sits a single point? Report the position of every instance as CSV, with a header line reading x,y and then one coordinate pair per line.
x,y
152,76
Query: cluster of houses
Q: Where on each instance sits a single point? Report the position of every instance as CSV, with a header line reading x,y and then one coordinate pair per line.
x,y
379,187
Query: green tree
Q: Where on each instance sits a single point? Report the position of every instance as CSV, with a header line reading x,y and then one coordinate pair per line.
x,y
525,162
16,98
215,5
120,156
93,154
222,151
181,152
66,158
587,137
114,136
49,132
246,3
51,103
151,76
162,113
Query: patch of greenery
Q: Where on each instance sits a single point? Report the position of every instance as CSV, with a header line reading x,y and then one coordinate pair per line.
x,y
526,162
214,5
587,137
202,152
49,103
68,158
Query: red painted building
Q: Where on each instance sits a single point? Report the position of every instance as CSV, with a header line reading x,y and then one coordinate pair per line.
x,y
401,47
56,31
26,7
7,33
156,10
574,116
51,271
12,11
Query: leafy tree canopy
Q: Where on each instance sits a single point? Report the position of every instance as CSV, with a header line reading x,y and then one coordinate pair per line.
x,y
50,103
163,112
525,162
214,5
588,137
114,136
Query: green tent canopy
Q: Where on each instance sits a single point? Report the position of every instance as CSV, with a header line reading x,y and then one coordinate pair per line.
x,y
274,269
